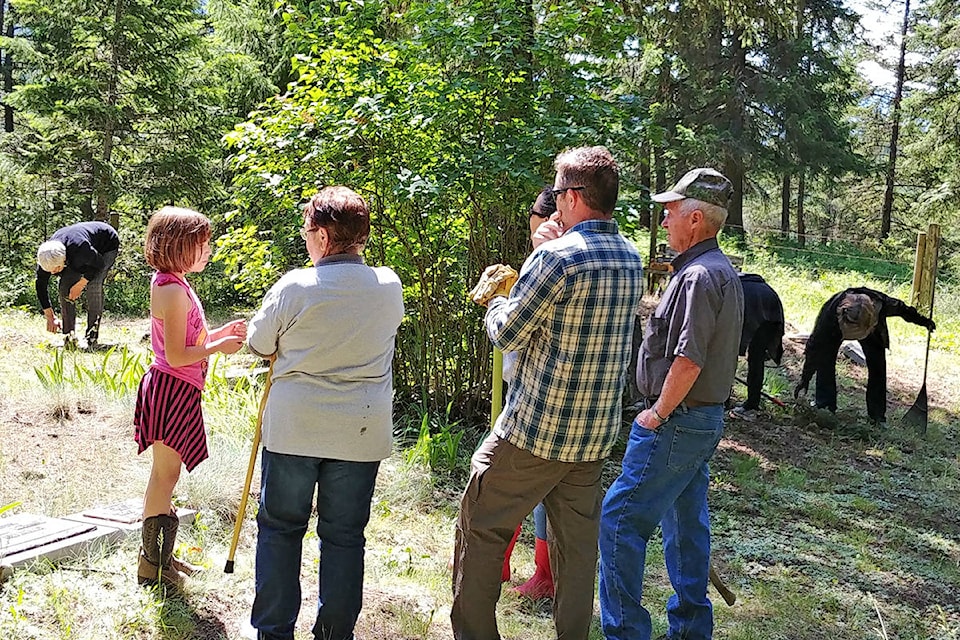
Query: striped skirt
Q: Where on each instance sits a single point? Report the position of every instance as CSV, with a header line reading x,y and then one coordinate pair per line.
x,y
168,411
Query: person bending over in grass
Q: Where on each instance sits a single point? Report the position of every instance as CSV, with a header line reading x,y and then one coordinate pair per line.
x,y
168,416
81,255
327,422
760,340
858,314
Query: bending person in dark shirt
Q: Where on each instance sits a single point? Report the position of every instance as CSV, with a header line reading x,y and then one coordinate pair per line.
x,y
858,314
81,254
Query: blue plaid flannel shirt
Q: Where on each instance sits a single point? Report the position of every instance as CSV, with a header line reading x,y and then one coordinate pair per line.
x,y
570,318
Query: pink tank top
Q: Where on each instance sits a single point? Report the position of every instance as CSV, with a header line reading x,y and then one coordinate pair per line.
x,y
195,373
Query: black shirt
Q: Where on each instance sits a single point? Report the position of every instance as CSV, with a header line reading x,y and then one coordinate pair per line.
x,y
761,306
86,242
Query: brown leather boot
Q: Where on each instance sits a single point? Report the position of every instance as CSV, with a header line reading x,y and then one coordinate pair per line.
x,y
182,566
159,536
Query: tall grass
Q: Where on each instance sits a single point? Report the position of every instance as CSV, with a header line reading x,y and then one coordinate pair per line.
x,y
117,379
438,443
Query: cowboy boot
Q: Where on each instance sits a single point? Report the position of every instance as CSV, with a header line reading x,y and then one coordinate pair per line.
x,y
540,585
149,556
182,566
159,535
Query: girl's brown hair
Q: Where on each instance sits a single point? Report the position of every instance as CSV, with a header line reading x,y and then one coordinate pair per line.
x,y
174,239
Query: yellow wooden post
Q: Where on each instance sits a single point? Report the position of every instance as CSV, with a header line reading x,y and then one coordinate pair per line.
x,y
928,279
496,401
924,286
918,269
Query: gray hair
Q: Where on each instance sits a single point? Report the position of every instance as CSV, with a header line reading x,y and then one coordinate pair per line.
x,y
51,255
714,214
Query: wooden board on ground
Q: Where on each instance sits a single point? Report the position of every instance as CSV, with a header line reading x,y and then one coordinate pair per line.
x,y
123,517
26,538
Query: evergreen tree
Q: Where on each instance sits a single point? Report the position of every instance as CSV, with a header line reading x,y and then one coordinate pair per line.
x,y
103,97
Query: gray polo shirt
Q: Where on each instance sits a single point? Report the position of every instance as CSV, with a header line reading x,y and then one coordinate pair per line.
x,y
700,317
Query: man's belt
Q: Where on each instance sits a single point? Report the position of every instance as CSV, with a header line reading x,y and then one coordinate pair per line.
x,y
686,405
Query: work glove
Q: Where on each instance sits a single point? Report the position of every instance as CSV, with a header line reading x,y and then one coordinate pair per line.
x,y
497,280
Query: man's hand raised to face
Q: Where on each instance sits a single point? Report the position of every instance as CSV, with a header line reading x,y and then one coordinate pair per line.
x,y
549,230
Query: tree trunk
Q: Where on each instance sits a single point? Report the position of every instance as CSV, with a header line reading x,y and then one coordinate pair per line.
x,y
6,62
828,220
103,172
886,215
660,164
86,207
664,96
801,222
645,184
785,206
733,160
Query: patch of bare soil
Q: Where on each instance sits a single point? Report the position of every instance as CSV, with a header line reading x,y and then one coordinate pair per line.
x,y
61,452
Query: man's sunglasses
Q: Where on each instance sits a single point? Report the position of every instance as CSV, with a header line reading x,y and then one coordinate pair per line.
x,y
560,190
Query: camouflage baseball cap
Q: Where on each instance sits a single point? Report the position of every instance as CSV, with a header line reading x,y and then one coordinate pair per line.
x,y
706,184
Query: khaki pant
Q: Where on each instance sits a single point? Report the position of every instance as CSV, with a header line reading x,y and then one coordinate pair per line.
x,y
505,485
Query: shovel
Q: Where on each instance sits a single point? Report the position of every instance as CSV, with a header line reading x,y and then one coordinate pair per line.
x,y
776,401
917,414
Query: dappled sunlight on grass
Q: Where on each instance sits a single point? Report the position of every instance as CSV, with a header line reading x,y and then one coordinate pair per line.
x,y
823,528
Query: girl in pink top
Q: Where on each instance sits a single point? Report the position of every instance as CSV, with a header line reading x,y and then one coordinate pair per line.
x,y
168,417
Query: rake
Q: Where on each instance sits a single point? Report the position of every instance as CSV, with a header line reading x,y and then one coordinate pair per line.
x,y
917,414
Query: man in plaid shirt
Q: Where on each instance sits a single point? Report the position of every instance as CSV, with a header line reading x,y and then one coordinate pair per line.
x,y
570,316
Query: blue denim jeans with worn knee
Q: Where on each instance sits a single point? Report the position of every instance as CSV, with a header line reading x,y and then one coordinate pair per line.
x,y
344,491
664,481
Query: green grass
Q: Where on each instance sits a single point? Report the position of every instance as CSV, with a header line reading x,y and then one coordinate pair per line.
x,y
841,531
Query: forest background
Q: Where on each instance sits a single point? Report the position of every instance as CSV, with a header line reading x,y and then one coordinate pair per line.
x,y
446,117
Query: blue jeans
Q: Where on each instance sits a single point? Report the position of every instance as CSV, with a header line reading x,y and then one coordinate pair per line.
x,y
344,490
540,521
664,481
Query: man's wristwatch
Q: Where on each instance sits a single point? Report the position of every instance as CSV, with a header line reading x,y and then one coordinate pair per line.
x,y
657,414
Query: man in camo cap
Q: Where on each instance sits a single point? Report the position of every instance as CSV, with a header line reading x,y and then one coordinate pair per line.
x,y
684,372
